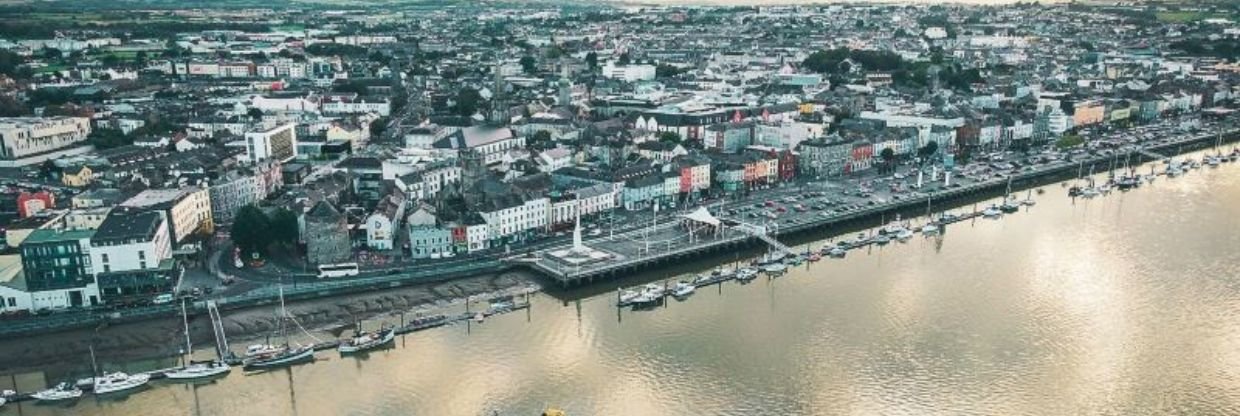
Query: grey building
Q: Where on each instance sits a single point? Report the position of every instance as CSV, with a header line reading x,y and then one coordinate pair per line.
x,y
326,234
426,237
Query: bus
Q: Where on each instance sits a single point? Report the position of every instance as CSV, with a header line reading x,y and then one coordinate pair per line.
x,y
337,270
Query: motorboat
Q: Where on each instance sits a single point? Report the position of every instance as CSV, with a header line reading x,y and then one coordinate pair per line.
x,y
119,382
198,370
882,239
1009,205
746,274
715,276
992,212
929,229
837,252
628,296
860,239
1127,182
258,350
904,234
775,268
1090,192
813,257
366,341
655,289
285,356
647,299
60,392
682,290
893,227
770,257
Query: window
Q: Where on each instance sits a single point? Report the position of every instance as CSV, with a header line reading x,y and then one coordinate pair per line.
x,y
107,269
141,255
104,257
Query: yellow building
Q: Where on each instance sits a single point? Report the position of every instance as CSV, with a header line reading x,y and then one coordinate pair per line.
x,y
77,176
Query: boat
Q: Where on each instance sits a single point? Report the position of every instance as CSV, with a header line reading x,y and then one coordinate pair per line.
x,y
2,402
929,229
198,370
882,239
366,341
60,392
813,257
770,257
1009,205
264,356
479,317
655,289
628,296
647,299
893,227
119,382
682,290
992,212
715,276
794,260
837,252
552,411
775,268
904,234
860,239
746,274
427,322
1127,182
1029,199
195,370
284,356
1090,192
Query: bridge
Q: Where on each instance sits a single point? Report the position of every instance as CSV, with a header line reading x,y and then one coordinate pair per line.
x,y
761,233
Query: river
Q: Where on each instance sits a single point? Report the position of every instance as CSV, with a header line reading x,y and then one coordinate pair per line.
x,y
1126,304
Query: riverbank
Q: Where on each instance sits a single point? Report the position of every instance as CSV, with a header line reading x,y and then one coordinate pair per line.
x,y
157,338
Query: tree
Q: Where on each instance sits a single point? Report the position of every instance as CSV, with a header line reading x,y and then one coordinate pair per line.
x,y
9,61
624,59
888,156
11,107
467,100
528,64
667,71
378,126
592,61
251,230
283,225
539,140
107,138
670,137
1068,141
859,24
255,113
930,149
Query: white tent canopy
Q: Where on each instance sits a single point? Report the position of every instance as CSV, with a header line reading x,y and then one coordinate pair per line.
x,y
703,216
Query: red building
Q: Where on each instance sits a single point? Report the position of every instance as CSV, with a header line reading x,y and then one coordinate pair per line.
x,y
29,204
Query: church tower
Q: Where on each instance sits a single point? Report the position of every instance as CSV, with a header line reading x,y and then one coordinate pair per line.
x,y
498,114
566,88
473,167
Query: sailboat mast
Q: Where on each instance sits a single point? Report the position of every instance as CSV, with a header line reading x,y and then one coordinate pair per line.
x,y
189,347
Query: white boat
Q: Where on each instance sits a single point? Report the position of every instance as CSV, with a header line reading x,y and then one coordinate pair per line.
x,y
628,296
882,239
860,239
746,274
893,227
195,370
682,290
904,234
119,382
646,299
2,402
257,350
61,392
654,289
198,370
775,268
929,229
837,252
992,212
366,341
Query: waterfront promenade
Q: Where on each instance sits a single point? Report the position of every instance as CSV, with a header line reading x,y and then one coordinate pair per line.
x,y
640,241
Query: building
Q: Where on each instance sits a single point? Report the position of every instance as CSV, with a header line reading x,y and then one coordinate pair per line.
x,y
382,224
131,255
278,144
56,267
33,203
356,105
326,234
241,187
426,237
79,176
24,139
491,142
629,73
188,209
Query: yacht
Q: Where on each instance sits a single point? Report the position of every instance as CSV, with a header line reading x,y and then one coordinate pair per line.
x,y
813,257
195,370
366,341
1090,192
715,276
119,382
894,227
682,290
861,239
929,229
647,299
992,212
655,289
1010,205
628,296
882,239
61,392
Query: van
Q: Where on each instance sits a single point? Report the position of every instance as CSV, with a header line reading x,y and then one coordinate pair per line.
x,y
162,299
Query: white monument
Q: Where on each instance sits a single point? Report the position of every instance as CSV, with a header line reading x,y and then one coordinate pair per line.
x,y
579,253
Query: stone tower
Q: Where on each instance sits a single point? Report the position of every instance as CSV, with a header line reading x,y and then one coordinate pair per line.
x,y
473,167
498,114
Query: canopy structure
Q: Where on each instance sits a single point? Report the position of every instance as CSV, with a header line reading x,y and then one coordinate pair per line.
x,y
703,216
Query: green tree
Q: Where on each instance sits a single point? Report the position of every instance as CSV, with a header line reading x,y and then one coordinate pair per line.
x,y
528,64
889,158
539,140
624,59
9,61
929,150
378,126
251,230
859,24
670,137
284,228
466,102
255,113
1068,141
592,61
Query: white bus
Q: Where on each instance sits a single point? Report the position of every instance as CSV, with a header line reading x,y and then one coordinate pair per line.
x,y
337,270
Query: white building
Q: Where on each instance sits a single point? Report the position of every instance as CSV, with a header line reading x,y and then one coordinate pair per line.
x,y
277,143
27,137
188,209
629,73
491,142
342,105
130,241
